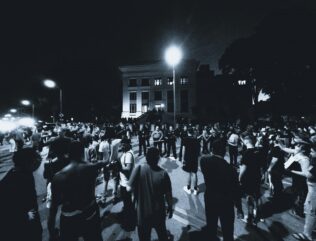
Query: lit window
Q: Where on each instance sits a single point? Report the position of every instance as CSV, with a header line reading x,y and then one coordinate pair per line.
x,y
158,82
184,80
242,82
170,81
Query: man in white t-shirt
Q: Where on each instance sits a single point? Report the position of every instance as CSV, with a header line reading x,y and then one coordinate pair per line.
x,y
233,141
126,166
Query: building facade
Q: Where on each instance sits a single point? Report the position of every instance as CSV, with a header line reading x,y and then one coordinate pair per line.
x,y
150,86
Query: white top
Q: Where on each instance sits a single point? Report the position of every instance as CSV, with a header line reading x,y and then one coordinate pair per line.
x,y
233,139
12,145
126,158
105,149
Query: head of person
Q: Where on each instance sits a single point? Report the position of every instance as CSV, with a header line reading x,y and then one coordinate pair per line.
x,y
219,147
126,144
76,151
26,159
157,128
248,142
152,156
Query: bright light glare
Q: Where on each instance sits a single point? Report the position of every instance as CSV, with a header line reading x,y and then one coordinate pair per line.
x,y
173,56
27,121
263,96
7,126
7,115
13,110
25,102
49,83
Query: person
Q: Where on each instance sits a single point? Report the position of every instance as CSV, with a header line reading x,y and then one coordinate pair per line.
x,y
152,188
190,163
127,163
299,161
276,169
232,141
74,189
183,134
222,192
250,179
157,137
142,141
171,142
205,140
310,202
19,219
106,149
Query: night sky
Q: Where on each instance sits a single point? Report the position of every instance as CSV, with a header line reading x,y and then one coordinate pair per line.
x,y
81,46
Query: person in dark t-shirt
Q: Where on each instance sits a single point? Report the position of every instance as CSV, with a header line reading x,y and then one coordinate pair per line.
x,y
222,192
250,178
152,189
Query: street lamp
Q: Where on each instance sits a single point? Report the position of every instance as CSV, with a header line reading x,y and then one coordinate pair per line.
x,y
51,84
28,103
173,56
13,110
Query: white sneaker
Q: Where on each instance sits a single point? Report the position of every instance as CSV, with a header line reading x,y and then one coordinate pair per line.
x,y
188,191
195,192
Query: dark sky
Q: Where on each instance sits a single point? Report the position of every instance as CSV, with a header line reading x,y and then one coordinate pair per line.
x,y
81,46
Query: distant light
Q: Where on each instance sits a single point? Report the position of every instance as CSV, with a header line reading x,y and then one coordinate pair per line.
x,y
13,110
6,126
173,56
28,122
242,82
39,121
72,119
7,115
49,83
25,102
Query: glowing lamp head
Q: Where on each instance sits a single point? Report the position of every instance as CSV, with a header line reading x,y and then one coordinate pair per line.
x,y
25,102
173,56
13,110
49,83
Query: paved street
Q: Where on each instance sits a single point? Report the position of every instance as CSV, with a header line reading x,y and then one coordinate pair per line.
x,y
189,215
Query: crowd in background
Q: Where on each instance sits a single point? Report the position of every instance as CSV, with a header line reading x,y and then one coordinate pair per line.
x,y
81,155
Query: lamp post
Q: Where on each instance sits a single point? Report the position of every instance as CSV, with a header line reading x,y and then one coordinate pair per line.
x,y
51,84
28,103
173,56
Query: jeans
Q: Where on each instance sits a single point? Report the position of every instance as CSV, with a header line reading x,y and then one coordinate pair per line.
x,y
233,154
158,223
310,212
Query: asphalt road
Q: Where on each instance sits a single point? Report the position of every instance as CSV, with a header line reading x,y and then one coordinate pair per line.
x,y
189,215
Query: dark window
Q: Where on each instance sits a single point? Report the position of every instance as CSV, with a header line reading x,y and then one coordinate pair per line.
x,y
145,82
158,95
184,98
132,96
132,83
132,108
170,101
145,95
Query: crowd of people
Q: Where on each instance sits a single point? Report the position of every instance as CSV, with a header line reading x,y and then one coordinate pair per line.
x,y
81,156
